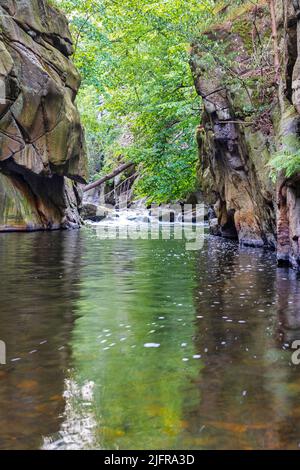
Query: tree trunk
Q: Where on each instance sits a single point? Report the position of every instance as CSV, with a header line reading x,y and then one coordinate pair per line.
x,y
105,178
275,41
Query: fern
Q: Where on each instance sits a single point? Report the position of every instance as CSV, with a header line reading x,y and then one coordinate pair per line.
x,y
287,159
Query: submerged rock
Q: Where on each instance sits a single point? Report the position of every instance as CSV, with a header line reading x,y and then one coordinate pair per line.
x,y
42,154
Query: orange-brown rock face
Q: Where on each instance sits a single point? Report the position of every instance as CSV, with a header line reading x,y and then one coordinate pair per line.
x,y
288,222
288,189
236,139
42,155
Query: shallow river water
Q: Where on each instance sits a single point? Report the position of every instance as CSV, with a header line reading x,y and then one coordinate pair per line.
x,y
140,344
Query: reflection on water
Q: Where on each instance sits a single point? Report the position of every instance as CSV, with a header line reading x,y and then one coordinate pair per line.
x,y
38,290
79,316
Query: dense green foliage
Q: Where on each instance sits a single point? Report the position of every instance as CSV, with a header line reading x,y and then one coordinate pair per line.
x,y
137,99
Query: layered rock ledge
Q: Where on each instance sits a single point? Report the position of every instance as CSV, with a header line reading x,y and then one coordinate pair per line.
x,y
42,150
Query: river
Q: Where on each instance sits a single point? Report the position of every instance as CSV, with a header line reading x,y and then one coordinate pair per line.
x,y
141,344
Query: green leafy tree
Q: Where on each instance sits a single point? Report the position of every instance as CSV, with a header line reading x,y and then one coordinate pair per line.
x,y
134,60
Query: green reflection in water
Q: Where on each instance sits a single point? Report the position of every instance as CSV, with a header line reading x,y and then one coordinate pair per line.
x,y
134,294
59,292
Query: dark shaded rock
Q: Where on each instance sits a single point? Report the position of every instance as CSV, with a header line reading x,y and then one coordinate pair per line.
x,y
91,212
214,227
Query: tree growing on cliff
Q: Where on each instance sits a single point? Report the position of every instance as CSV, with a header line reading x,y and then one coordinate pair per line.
x,y
275,41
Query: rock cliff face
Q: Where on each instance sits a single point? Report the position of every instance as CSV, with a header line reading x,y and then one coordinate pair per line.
x,y
42,155
246,118
288,189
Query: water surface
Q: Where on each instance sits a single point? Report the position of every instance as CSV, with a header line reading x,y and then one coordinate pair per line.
x,y
81,316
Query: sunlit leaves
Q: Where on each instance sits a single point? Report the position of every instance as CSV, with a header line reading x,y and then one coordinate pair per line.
x,y
135,55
